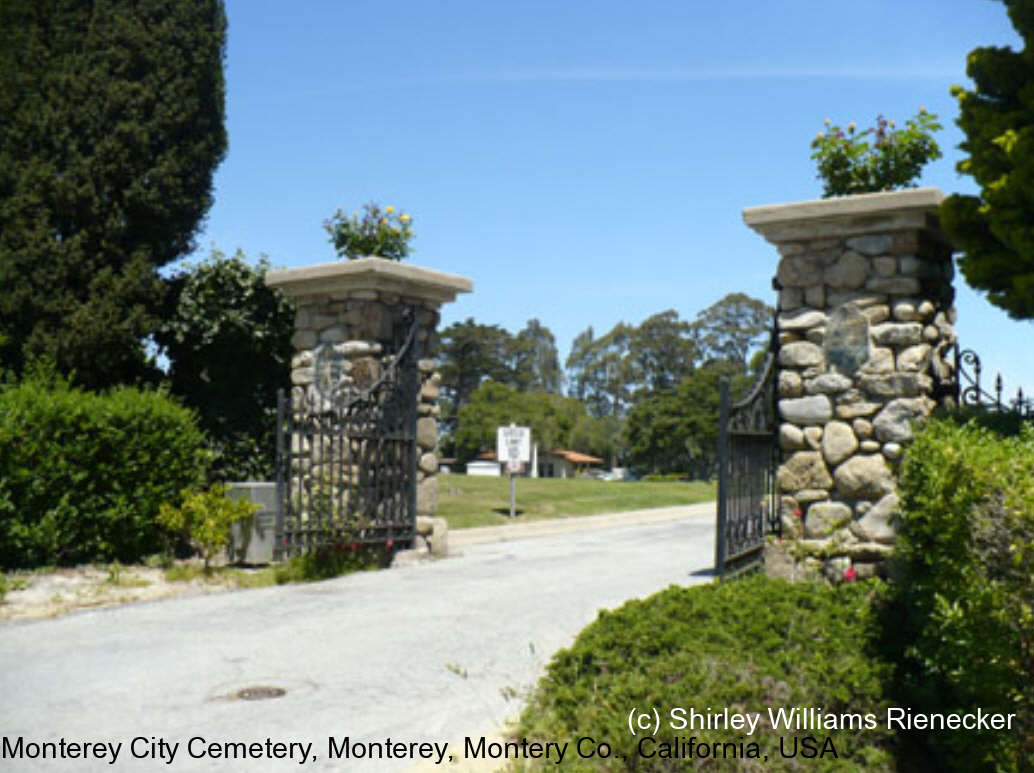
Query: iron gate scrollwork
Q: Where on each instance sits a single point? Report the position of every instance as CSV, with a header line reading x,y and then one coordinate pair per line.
x,y
971,393
347,449
748,457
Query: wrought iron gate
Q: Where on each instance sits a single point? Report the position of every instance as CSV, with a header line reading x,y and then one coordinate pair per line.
x,y
748,457
347,450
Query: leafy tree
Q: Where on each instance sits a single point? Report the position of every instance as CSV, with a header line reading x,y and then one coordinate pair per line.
x,y
673,424
677,430
848,164
470,354
995,229
555,421
601,372
111,125
534,362
732,328
228,339
664,350
599,437
551,417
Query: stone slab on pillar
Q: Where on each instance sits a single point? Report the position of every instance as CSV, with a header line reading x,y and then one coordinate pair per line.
x,y
865,316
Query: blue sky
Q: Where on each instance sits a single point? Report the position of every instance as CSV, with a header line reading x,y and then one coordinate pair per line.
x,y
584,163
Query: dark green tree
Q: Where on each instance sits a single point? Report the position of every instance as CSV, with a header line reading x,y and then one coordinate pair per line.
x,y
534,362
555,421
664,350
995,229
470,353
227,336
733,328
600,371
677,430
111,125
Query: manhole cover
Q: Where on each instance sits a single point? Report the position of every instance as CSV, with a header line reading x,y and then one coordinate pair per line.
x,y
259,693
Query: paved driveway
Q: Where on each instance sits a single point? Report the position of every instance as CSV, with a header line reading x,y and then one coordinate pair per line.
x,y
424,655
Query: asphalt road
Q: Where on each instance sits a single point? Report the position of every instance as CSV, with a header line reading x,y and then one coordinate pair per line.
x,y
424,654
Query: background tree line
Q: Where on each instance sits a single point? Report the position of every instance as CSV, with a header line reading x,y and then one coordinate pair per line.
x,y
641,395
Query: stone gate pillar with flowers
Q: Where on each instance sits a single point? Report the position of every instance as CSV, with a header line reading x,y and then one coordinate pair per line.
x,y
865,317
360,448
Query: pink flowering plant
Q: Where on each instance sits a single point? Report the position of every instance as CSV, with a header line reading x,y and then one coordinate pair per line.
x,y
880,158
384,233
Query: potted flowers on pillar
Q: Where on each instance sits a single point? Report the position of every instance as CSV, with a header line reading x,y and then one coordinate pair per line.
x,y
382,233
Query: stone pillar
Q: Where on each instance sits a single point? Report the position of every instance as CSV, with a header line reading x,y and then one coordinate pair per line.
x,y
865,332
356,307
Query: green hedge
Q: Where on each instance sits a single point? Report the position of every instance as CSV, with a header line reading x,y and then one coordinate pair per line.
x,y
82,475
961,619
747,645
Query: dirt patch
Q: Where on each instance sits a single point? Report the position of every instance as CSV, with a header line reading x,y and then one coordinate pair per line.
x,y
50,594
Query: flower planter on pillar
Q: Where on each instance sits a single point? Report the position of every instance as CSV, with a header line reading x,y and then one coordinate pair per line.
x,y
355,309
864,322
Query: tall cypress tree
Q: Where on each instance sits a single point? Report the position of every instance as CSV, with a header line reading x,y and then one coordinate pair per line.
x,y
111,126
996,229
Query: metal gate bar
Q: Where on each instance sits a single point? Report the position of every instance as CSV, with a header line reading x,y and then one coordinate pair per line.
x,y
747,461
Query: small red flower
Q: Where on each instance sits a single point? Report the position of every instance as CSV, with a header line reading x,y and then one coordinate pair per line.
x,y
850,575
390,543
284,542
798,512
355,546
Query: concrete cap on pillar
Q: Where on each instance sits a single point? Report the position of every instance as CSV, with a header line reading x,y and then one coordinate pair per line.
x,y
848,215
342,278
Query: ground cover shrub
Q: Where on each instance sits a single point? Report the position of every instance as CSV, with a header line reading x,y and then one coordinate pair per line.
x,y
748,645
82,474
960,620
341,557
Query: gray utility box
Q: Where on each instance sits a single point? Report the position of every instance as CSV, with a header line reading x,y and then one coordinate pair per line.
x,y
252,541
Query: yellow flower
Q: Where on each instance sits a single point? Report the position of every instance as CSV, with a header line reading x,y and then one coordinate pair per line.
x,y
821,135
389,209
851,127
826,122
405,218
384,221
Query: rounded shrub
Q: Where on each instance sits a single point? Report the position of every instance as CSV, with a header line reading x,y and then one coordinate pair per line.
x,y
82,475
960,620
748,646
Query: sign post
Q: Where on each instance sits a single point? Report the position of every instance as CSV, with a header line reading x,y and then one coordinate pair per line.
x,y
513,447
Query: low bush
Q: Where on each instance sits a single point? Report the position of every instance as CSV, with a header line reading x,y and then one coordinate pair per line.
x,y
204,519
82,475
666,477
342,557
748,646
960,620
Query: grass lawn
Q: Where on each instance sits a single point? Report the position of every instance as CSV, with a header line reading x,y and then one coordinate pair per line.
x,y
466,501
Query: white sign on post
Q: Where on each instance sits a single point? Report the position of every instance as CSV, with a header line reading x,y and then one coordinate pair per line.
x,y
513,444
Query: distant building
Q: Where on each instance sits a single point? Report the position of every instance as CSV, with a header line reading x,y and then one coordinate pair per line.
x,y
484,467
545,464
565,464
